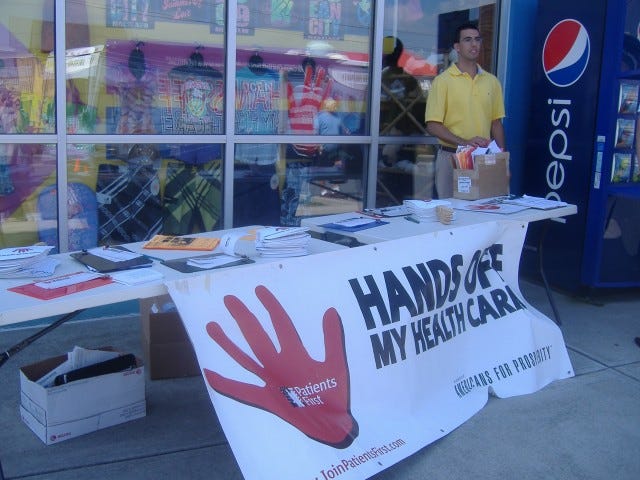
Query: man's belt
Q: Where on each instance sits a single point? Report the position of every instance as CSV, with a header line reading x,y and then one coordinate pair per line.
x,y
448,149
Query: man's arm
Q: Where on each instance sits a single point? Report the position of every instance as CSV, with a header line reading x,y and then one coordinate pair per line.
x,y
497,133
437,129
443,134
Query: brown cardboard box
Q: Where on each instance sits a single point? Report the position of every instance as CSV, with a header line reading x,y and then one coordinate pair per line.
x,y
489,177
168,352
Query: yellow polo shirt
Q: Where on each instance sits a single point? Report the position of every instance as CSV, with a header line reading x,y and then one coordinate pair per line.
x,y
465,105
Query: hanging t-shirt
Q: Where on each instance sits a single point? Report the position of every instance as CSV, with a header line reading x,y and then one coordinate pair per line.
x,y
136,100
199,111
257,113
9,118
201,91
136,89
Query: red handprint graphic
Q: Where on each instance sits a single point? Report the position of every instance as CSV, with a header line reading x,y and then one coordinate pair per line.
x,y
304,104
311,395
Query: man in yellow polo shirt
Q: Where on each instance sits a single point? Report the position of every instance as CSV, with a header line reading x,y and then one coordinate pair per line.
x,y
464,107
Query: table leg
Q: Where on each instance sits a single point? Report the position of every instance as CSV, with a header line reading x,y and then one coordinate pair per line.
x,y
28,341
545,229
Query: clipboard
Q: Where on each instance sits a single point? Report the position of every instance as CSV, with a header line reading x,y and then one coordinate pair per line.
x,y
389,212
356,228
104,265
182,265
35,291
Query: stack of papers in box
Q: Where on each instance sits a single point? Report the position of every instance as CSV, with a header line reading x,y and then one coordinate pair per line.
x,y
25,261
77,358
282,241
424,210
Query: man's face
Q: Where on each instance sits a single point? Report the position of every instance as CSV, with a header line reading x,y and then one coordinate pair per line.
x,y
468,45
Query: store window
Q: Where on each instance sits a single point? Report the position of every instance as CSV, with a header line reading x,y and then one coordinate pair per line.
x,y
305,79
417,45
24,89
145,80
136,117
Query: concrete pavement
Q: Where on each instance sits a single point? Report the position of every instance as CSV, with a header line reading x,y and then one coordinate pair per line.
x,y
586,427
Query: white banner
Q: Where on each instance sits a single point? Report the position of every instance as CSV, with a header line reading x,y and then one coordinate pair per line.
x,y
340,364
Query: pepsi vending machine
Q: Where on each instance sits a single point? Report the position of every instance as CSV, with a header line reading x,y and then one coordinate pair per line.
x,y
583,143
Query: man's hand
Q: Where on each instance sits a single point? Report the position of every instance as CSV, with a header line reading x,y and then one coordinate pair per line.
x,y
478,142
311,395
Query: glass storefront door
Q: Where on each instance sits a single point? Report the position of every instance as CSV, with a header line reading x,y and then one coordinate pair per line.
x,y
135,117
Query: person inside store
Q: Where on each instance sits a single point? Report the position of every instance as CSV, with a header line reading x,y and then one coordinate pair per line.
x,y
402,103
332,157
306,92
465,106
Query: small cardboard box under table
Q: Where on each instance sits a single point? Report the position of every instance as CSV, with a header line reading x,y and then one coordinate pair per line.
x,y
489,177
66,411
168,352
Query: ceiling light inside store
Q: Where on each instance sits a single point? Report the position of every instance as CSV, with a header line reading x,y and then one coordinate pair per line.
x,y
319,49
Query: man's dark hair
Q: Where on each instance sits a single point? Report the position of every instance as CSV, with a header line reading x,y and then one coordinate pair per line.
x,y
464,26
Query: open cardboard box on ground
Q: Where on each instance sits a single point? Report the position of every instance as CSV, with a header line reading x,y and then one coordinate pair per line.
x,y
168,352
82,406
489,177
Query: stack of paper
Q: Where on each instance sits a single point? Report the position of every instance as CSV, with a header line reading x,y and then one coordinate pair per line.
x,y
491,205
282,241
26,261
535,202
137,276
68,280
214,261
424,210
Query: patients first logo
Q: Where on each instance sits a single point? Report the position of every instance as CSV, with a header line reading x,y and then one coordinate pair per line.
x,y
566,51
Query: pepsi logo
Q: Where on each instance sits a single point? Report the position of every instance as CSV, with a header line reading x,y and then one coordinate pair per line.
x,y
565,54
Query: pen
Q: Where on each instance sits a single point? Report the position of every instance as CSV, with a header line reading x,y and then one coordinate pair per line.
x,y
369,213
411,219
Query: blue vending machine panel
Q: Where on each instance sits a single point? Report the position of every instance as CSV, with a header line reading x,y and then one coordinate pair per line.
x,y
581,146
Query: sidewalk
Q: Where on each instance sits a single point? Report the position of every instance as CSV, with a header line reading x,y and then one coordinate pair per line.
x,y
586,427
